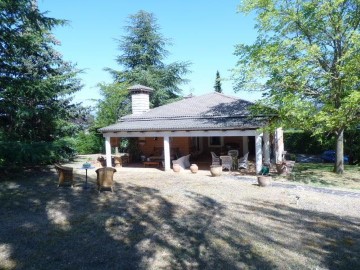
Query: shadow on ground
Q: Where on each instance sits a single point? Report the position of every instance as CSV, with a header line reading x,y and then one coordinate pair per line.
x,y
136,227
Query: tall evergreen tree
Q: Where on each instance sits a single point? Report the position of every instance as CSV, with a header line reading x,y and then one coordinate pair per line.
x,y
143,54
217,85
35,83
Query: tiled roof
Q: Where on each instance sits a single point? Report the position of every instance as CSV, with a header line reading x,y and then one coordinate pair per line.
x,y
209,111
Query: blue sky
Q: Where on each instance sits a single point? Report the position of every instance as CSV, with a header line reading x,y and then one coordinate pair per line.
x,y
203,32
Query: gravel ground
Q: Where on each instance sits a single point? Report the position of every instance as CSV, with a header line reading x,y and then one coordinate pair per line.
x,y
166,220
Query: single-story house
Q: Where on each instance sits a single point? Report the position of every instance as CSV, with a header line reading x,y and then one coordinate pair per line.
x,y
196,123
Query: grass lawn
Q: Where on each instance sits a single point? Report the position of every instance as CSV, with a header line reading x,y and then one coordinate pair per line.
x,y
163,220
321,174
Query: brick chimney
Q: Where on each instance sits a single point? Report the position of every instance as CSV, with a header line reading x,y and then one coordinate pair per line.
x,y
140,98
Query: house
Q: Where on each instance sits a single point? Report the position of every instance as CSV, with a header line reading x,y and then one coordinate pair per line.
x,y
203,123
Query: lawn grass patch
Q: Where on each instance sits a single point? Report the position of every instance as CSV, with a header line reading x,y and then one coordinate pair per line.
x,y
321,174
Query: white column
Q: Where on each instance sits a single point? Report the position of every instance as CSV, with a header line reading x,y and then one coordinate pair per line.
x,y
266,146
108,151
167,153
245,141
279,144
258,152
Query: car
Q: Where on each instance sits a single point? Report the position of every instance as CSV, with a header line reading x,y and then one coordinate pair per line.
x,y
329,156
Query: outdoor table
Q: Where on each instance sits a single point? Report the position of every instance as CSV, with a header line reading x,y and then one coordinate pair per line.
x,y
150,163
86,176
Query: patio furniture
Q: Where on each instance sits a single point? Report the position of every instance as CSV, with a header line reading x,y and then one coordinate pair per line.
x,y
215,160
105,178
243,162
152,163
226,162
234,154
101,161
66,177
86,167
184,161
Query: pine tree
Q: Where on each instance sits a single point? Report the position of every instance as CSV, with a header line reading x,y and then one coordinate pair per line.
x,y
217,85
35,83
143,54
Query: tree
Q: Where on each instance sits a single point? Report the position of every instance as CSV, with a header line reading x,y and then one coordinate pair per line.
x,y
35,83
217,85
307,56
114,103
143,54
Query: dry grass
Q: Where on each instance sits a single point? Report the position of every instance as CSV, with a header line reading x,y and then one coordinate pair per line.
x,y
321,174
163,220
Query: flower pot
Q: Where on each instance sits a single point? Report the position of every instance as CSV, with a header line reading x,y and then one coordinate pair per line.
x,y
281,168
194,168
216,170
176,167
264,180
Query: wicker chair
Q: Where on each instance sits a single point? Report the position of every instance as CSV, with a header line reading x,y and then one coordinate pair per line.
x,y
226,162
66,176
215,160
105,178
243,162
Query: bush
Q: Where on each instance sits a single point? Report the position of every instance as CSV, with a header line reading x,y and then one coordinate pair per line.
x,y
89,143
20,154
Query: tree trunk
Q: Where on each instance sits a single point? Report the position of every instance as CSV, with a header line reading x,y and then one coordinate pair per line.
x,y
339,159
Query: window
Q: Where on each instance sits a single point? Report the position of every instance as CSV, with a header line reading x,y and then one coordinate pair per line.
x,y
216,141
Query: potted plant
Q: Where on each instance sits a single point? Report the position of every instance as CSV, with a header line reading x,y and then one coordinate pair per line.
x,y
264,179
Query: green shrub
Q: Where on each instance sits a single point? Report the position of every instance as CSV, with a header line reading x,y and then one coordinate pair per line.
x,y
89,143
20,154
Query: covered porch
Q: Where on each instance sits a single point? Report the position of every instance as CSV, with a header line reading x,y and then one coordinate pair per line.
x,y
169,145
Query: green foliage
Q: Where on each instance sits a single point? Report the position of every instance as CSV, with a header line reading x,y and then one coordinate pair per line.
x,y
35,83
352,145
142,58
217,85
115,103
306,60
89,143
143,54
16,154
305,143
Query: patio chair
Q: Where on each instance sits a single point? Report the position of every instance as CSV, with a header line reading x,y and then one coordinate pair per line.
x,y
226,162
243,162
105,178
66,177
215,160
234,154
